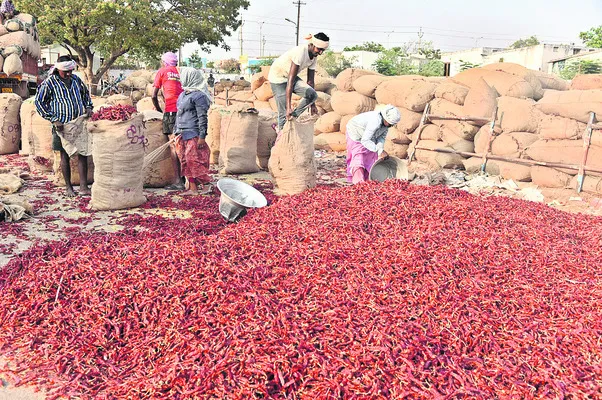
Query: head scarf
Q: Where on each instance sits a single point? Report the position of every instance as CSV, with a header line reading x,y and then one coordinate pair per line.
x,y
63,66
317,42
7,7
170,59
391,114
193,80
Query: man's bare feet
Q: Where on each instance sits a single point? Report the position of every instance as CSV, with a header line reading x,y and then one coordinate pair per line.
x,y
189,193
85,191
70,192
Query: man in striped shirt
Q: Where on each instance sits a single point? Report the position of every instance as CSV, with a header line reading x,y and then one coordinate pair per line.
x,y
61,98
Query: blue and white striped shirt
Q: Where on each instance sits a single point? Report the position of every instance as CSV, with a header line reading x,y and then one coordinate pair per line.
x,y
57,102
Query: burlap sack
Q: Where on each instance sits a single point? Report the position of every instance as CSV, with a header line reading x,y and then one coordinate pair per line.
x,y
262,105
396,149
329,122
345,78
522,72
41,157
441,107
12,65
514,171
587,82
505,84
257,80
146,104
118,159
323,101
9,184
428,132
446,108
136,96
264,92
160,172
564,152
10,125
411,94
552,127
575,104
481,140
345,103
517,115
21,39
480,101
322,84
265,71
57,177
214,122
549,177
28,109
139,83
473,165
75,137
150,89
238,140
398,137
274,105
266,137
333,141
244,98
367,84
434,159
119,100
451,91
549,81
292,162
591,184
512,144
456,142
344,120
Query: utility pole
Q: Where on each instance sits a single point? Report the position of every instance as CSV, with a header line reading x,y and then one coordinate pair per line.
x,y
260,39
298,3
263,46
420,35
241,24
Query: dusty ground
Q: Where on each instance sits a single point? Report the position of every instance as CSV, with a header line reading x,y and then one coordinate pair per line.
x,y
57,217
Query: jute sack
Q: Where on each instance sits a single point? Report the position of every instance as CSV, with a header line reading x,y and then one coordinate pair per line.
x,y
345,78
451,91
332,141
409,119
552,127
41,157
214,122
446,108
57,177
244,98
522,72
292,162
587,82
329,122
10,125
411,94
456,142
160,172
12,65
514,171
118,159
396,149
517,115
549,81
262,105
257,80
473,165
481,140
396,136
565,152
512,144
274,105
428,132
264,92
505,84
549,177
344,120
323,101
139,83
119,99
591,184
266,137
367,84
322,84
434,159
238,140
575,104
146,104
28,109
345,103
480,101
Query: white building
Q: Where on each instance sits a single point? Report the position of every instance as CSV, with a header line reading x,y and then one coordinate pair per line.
x,y
366,59
533,57
555,66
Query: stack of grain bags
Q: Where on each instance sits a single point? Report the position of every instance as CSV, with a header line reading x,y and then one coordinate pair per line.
x,y
140,82
18,38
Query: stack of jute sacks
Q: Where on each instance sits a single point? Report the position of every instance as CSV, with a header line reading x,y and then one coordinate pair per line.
x,y
18,37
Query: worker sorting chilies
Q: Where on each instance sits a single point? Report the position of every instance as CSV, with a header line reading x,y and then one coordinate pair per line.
x,y
285,81
366,135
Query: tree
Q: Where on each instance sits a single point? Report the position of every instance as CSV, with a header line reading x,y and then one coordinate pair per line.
x,y
464,65
428,50
391,62
262,63
142,28
195,60
211,64
580,67
230,66
593,37
366,46
431,68
333,63
530,41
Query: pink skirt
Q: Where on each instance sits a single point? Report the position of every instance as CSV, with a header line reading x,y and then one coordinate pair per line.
x,y
359,157
194,161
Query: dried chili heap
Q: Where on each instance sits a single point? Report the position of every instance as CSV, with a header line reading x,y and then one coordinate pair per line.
x,y
114,113
372,291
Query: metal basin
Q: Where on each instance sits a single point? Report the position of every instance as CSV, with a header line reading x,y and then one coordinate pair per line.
x,y
389,168
236,197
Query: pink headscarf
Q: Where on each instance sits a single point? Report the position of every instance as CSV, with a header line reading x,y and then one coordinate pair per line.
x,y
170,59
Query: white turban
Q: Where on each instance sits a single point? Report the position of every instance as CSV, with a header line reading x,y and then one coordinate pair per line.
x,y
391,114
65,65
317,42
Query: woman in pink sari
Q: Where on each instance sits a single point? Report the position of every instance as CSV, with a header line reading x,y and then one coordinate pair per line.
x,y
366,135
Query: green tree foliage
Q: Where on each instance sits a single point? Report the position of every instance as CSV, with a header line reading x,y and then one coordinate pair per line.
x,y
367,46
211,64
262,63
428,50
593,37
229,66
530,41
464,65
333,63
195,60
431,68
580,67
142,28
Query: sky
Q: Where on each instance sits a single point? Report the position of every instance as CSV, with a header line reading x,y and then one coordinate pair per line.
x,y
451,25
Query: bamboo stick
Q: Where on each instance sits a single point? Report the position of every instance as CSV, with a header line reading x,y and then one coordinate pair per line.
x,y
446,118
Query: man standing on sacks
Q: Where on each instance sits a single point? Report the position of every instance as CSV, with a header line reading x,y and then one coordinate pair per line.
x,y
284,79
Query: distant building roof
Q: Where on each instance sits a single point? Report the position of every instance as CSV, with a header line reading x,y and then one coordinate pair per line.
x,y
576,56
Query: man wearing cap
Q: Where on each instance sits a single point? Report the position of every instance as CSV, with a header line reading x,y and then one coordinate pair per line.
x,y
284,79
168,79
366,134
61,98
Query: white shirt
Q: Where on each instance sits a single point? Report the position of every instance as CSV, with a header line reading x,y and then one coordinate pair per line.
x,y
368,129
282,65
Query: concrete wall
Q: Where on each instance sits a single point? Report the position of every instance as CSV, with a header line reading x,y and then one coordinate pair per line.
x,y
557,66
474,56
363,59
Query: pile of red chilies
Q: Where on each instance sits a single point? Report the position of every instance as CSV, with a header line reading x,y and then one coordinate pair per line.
x,y
372,291
114,113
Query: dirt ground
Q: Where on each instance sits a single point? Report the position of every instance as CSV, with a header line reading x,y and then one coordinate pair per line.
x,y
57,217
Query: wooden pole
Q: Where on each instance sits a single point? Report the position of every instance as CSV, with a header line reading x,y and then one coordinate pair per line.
x,y
446,118
425,115
587,139
490,138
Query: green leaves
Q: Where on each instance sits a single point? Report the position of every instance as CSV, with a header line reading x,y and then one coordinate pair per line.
x,y
593,37
333,63
530,41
